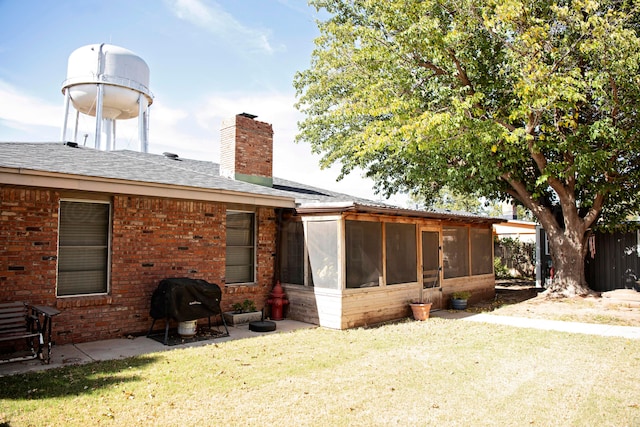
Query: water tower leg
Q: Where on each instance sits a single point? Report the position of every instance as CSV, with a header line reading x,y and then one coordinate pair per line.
x,y
146,129
143,107
63,133
100,97
113,135
75,129
109,134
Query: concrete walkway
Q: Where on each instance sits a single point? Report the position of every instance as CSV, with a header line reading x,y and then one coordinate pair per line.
x,y
120,348
72,354
632,332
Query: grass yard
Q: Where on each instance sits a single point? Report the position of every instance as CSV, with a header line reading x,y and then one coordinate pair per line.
x,y
438,372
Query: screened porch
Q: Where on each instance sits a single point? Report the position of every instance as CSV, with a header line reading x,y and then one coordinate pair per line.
x,y
354,268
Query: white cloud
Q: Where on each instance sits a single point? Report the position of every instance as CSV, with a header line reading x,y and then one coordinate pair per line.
x,y
175,130
291,161
167,116
210,16
193,11
19,109
272,107
193,133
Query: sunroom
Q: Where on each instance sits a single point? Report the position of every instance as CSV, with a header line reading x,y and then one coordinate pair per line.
x,y
349,265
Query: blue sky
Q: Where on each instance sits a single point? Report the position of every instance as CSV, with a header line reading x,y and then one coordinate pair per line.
x,y
208,60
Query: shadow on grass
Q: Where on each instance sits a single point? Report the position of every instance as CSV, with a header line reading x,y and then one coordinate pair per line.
x,y
507,292
513,291
72,380
516,295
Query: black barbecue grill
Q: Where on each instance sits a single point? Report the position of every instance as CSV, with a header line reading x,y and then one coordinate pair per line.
x,y
183,299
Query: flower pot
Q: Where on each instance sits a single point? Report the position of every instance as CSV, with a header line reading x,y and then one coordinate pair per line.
x,y
420,310
458,304
187,329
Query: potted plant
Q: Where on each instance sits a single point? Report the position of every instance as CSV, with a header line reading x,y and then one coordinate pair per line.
x,y
420,309
247,306
243,312
459,300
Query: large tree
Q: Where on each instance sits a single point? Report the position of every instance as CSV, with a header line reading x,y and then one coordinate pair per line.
x,y
453,201
533,100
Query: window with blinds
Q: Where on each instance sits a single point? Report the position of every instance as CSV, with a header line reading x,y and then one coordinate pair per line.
x,y
83,248
240,254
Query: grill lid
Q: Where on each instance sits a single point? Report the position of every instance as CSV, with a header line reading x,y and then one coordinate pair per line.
x,y
184,299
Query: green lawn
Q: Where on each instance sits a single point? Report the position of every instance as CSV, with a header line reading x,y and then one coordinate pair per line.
x,y
438,372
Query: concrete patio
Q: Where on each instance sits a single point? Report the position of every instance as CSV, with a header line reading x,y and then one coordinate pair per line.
x,y
120,348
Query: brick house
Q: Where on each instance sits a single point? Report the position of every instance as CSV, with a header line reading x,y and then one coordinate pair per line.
x,y
93,232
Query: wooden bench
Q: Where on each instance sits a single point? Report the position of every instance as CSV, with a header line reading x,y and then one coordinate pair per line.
x,y
25,332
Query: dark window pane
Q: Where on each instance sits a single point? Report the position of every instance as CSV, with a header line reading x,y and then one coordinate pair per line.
x,y
455,251
292,253
481,251
401,253
363,253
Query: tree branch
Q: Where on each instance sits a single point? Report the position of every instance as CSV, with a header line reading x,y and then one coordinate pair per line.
x,y
595,210
462,73
568,51
541,161
614,92
538,157
507,126
431,66
519,192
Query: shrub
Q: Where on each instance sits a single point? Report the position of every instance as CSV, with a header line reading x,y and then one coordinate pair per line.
x,y
517,257
246,306
501,270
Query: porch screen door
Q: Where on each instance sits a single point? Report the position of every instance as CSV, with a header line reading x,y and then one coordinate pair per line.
x,y
431,290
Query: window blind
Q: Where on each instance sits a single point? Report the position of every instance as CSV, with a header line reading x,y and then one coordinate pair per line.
x,y
240,253
83,248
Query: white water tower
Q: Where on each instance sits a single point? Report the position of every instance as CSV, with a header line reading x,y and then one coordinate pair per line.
x,y
109,83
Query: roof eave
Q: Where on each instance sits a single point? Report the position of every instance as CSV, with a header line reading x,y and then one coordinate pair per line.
x,y
338,208
64,181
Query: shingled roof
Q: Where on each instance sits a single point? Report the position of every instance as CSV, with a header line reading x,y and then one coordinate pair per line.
x,y
55,159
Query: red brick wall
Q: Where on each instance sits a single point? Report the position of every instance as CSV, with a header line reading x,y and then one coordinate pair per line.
x,y
28,245
152,238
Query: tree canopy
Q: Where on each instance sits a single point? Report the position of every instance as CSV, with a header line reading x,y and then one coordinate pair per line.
x,y
533,100
452,201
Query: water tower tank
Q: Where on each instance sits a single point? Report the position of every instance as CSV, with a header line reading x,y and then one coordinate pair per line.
x,y
110,83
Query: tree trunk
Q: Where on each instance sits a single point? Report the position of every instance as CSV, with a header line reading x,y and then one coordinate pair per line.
x,y
567,230
568,257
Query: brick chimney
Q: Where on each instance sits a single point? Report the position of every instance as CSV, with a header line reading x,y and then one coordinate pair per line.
x,y
246,150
